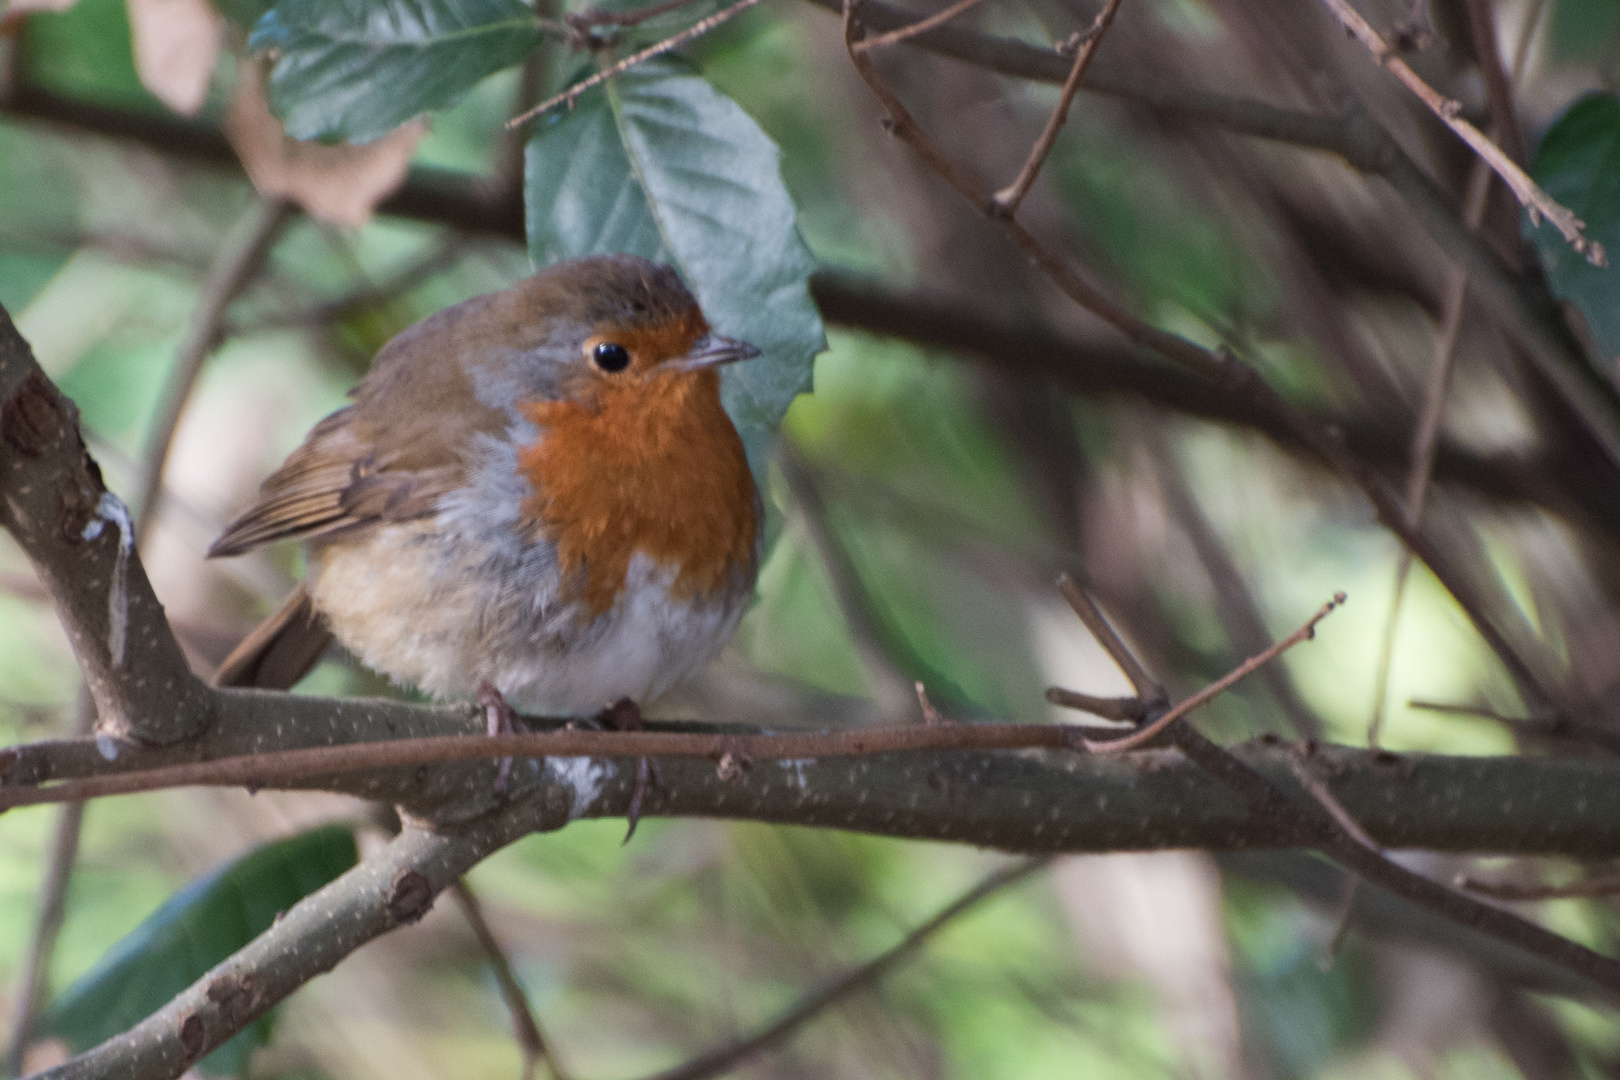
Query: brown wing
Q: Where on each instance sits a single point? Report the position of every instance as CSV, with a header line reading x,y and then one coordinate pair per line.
x,y
392,454
281,650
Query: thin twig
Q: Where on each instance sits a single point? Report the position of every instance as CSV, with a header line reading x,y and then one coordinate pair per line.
x,y
1272,804
1461,709
723,1058
1008,199
1299,764
240,257
1147,688
1214,689
1511,890
696,30
921,26
1535,201
524,1026
1129,710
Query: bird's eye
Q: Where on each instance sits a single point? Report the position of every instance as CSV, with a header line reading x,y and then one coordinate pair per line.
x,y
610,357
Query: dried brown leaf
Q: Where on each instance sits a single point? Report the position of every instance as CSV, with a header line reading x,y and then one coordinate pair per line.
x,y
338,184
176,49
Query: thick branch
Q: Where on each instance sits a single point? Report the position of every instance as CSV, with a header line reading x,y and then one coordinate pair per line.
x,y
1016,801
81,541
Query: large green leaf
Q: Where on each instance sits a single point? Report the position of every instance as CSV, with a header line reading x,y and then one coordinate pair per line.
x,y
665,166
1578,163
193,931
357,69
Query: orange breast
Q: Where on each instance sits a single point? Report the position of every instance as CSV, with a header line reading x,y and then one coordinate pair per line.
x,y
652,466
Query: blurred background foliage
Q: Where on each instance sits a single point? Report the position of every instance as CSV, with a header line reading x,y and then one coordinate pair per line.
x,y
921,501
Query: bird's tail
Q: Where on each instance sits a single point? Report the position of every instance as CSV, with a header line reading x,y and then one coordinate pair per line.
x,y
281,650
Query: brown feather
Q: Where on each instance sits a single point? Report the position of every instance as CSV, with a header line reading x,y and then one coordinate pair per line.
x,y
281,650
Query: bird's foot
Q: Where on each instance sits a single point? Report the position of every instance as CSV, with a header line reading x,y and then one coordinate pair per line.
x,y
625,715
499,719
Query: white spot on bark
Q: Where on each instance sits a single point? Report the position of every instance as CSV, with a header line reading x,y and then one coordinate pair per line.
x,y
112,511
796,767
584,777
107,747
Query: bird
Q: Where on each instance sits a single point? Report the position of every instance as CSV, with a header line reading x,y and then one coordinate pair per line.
x,y
536,497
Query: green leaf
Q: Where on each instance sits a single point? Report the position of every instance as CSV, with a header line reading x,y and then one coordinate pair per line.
x,y
1578,163
193,931
357,69
667,167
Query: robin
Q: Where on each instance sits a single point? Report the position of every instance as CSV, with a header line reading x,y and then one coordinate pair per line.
x,y
536,497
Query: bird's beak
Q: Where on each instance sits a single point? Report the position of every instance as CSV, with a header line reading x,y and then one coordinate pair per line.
x,y
711,351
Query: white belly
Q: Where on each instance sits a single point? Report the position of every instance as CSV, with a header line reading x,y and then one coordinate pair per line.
x,y
445,617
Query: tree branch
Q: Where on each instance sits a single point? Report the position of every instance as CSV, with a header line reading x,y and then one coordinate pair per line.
x,y
394,887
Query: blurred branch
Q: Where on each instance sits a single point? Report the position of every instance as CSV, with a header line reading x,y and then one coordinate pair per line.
x,y
1556,725
1239,614
475,205
1094,369
64,852
1498,83
240,258
1484,600
724,1058
1009,198
1513,890
1425,438
1523,304
525,1027
391,888
889,686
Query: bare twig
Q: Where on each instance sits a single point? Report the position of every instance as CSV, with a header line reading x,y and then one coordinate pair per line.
x,y
921,26
696,30
1535,201
723,1058
1240,615
1216,688
1147,688
1007,200
1300,764
1511,890
1130,710
1498,79
525,1028
1353,849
